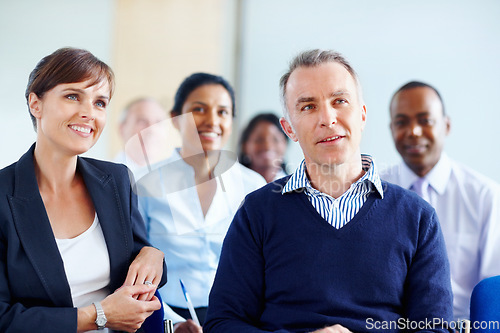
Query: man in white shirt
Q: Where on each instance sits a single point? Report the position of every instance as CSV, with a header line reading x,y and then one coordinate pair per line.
x,y
467,203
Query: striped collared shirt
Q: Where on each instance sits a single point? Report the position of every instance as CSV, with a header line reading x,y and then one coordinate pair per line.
x,y
338,212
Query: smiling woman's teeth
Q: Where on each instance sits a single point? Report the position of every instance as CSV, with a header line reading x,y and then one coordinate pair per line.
x,y
81,129
210,134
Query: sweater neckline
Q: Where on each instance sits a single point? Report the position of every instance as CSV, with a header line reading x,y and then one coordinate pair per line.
x,y
358,219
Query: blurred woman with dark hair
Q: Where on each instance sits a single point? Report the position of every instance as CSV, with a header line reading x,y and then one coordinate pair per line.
x,y
263,146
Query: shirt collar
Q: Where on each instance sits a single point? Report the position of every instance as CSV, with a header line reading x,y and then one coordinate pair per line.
x,y
298,180
438,176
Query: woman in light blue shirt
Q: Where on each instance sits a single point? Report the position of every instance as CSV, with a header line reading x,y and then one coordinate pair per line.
x,y
189,200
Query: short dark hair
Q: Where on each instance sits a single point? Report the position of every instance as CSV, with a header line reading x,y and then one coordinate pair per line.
x,y
268,117
417,84
67,65
195,81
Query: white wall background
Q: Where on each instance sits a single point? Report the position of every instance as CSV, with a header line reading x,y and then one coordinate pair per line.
x,y
30,30
453,45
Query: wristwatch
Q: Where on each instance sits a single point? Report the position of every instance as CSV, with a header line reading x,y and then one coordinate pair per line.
x,y
101,319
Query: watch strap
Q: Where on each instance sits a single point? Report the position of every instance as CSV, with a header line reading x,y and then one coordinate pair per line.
x,y
101,319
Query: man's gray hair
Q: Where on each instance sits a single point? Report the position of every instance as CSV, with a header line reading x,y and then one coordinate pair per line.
x,y
313,58
126,110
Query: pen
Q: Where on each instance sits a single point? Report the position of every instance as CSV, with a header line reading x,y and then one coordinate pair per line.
x,y
192,312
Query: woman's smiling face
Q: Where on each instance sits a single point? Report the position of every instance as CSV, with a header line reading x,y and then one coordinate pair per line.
x,y
71,116
211,108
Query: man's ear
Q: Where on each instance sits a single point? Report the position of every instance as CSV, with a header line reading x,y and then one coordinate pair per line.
x,y
363,117
288,129
34,104
447,124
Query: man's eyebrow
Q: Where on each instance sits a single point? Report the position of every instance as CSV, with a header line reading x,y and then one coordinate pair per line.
x,y
313,99
305,100
418,115
339,93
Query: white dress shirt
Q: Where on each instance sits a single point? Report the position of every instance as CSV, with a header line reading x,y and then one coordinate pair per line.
x,y
169,203
468,208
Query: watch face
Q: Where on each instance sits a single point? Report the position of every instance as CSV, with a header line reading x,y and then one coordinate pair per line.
x,y
100,321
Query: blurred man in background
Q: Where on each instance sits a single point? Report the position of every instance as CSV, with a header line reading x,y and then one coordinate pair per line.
x,y
142,135
467,203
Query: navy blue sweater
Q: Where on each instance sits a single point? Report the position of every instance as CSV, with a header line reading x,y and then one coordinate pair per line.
x,y
283,268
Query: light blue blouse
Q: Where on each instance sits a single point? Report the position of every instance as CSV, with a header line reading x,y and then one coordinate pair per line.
x,y
169,203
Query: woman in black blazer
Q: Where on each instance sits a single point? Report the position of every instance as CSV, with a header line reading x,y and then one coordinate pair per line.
x,y
73,247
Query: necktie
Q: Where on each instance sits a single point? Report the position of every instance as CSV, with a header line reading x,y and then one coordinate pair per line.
x,y
420,186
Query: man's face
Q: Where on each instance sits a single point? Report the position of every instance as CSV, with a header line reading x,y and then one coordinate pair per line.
x,y
419,128
142,115
326,115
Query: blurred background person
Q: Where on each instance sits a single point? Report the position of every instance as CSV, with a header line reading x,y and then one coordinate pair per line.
x,y
263,146
142,135
466,202
189,200
74,250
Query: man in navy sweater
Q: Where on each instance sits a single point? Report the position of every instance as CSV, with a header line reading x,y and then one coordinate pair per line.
x,y
331,248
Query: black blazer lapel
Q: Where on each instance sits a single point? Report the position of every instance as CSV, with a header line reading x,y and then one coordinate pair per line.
x,y
35,232
110,211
